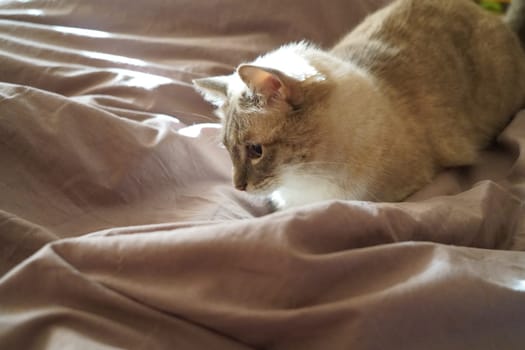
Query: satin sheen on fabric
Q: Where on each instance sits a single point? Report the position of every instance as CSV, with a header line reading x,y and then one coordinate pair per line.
x,y
119,226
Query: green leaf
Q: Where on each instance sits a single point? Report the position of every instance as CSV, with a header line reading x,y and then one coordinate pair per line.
x,y
493,6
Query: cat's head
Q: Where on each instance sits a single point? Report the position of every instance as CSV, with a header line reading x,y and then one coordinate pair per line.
x,y
270,122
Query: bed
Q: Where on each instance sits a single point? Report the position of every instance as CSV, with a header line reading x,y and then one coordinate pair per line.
x,y
119,226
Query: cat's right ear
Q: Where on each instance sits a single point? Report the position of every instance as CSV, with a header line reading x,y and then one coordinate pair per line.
x,y
271,83
214,89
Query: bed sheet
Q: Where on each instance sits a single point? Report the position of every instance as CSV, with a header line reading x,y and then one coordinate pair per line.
x,y
119,227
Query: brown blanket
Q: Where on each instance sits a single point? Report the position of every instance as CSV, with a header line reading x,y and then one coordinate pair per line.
x,y
119,227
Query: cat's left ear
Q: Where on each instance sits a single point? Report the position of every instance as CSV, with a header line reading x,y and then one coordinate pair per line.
x,y
271,83
214,89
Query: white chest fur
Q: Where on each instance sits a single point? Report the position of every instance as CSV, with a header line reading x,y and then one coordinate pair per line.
x,y
304,189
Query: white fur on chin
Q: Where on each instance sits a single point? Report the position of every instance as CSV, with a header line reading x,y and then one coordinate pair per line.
x,y
304,189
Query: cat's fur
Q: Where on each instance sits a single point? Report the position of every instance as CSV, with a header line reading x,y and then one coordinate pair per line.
x,y
418,86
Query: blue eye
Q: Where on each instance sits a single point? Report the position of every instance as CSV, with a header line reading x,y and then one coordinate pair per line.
x,y
254,151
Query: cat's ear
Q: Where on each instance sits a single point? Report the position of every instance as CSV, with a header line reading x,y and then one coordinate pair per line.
x,y
271,83
214,89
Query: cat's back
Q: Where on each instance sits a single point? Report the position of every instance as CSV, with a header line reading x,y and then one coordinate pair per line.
x,y
441,52
426,34
412,26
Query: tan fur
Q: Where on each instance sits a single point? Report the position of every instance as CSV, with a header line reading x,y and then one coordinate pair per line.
x,y
419,86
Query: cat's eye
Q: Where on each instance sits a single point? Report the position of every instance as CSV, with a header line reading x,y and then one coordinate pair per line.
x,y
254,151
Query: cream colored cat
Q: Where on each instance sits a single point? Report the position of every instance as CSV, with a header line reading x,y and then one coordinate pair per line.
x,y
419,86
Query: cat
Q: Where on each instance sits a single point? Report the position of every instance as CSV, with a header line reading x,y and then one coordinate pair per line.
x,y
418,86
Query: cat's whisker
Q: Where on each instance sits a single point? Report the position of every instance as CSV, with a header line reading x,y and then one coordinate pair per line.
x,y
315,176
373,197
325,163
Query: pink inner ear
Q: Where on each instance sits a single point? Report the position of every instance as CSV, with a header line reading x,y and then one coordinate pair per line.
x,y
272,86
273,83
263,81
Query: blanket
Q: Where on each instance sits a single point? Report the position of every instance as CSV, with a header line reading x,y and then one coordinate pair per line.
x,y
119,226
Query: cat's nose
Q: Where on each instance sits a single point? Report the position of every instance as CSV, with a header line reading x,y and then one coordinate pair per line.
x,y
240,180
241,186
